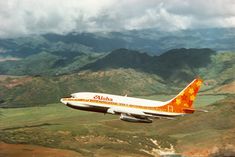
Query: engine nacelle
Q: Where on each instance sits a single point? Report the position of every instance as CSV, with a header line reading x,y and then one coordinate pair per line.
x,y
134,119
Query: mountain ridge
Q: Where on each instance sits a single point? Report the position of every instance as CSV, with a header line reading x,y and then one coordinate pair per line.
x,y
163,65
120,72
148,40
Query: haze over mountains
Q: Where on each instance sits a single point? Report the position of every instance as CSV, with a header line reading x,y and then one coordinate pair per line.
x,y
151,41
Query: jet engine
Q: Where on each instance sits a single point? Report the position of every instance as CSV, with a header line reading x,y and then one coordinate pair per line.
x,y
128,118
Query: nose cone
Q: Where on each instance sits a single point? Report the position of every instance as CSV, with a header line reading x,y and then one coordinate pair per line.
x,y
63,101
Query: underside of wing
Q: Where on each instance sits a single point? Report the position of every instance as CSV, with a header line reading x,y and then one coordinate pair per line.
x,y
135,115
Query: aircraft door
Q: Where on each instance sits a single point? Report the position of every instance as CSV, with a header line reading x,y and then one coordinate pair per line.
x,y
170,108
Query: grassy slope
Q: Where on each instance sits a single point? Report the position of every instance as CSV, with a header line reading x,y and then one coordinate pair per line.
x,y
221,68
61,127
48,64
177,65
44,90
92,133
26,150
35,90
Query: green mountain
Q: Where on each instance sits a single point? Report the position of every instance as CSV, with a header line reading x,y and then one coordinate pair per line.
x,y
30,91
148,40
47,64
122,72
174,65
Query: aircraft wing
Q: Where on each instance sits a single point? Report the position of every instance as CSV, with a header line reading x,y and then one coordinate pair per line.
x,y
116,110
135,113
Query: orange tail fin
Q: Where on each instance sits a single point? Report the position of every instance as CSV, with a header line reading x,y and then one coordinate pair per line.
x,y
183,102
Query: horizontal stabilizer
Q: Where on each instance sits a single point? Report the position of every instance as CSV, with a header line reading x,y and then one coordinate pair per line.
x,y
190,110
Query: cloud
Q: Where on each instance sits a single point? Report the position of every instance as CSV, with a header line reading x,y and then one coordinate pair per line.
x,y
23,17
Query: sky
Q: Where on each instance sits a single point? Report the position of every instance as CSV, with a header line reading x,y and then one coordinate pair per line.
x,y
25,17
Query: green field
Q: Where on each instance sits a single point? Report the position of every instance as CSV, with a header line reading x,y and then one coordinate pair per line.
x,y
88,133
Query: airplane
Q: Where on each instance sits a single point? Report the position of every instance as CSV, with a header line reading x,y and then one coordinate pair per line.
x,y
132,109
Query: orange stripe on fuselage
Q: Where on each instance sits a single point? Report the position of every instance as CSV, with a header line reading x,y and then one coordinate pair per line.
x,y
161,108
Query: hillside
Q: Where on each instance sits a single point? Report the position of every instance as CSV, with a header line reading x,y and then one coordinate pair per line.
x,y
176,66
30,91
52,126
180,64
204,134
47,64
57,63
127,71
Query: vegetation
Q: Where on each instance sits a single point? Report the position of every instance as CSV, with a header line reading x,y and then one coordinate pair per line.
x,y
88,133
53,66
58,126
177,66
28,91
47,64
173,66
126,71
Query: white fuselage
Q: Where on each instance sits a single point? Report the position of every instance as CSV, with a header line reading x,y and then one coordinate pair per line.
x,y
136,109
114,104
